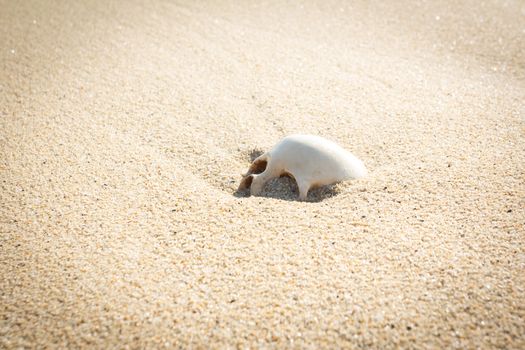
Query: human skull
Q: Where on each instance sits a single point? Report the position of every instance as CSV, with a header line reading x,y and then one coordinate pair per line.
x,y
311,160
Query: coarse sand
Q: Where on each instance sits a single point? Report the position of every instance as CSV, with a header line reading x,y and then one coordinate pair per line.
x,y
125,126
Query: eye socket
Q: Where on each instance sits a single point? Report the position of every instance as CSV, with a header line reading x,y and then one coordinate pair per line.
x,y
246,183
258,166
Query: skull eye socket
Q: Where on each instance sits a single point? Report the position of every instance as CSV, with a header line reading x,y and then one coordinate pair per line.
x,y
258,166
246,183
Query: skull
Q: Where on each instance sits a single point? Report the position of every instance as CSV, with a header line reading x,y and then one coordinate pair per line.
x,y
311,160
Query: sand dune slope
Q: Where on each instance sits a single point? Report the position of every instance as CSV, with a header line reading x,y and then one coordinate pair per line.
x,y
125,126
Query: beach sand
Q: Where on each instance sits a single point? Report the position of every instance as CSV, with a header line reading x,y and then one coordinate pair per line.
x,y
125,126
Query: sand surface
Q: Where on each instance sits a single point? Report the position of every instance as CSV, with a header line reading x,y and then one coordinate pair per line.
x,y
125,126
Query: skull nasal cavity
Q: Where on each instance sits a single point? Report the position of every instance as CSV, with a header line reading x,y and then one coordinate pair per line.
x,y
258,167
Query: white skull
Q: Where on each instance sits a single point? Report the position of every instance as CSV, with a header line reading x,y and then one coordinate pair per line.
x,y
311,160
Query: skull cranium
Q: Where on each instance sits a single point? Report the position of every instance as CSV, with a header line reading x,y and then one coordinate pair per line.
x,y
311,160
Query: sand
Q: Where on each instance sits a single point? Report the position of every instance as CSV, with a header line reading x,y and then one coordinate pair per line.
x,y
125,126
